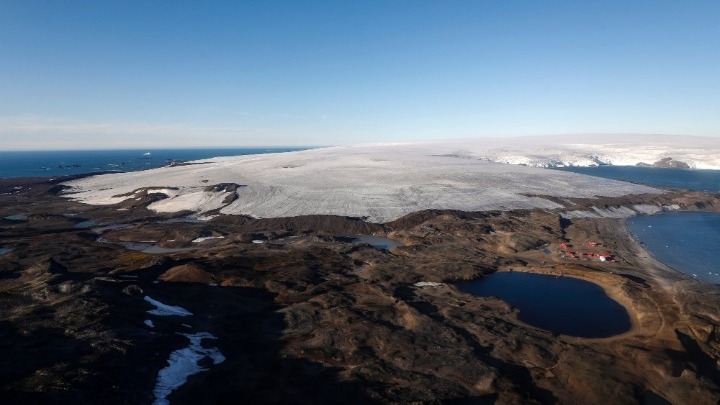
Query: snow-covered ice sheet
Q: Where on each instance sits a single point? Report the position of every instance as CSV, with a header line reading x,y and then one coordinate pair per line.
x,y
166,310
384,182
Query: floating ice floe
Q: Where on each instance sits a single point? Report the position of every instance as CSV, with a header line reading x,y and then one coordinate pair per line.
x,y
166,310
184,363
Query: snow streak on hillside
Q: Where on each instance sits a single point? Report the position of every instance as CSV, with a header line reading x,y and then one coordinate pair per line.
x,y
379,183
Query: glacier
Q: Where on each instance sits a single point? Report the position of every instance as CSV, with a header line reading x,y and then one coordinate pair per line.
x,y
383,182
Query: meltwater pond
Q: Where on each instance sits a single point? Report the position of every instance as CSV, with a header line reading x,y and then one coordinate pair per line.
x,y
562,305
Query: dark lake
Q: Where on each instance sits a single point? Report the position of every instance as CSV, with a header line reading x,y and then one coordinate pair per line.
x,y
378,242
686,241
699,180
561,305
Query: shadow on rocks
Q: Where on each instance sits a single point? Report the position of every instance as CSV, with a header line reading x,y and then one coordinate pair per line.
x,y
249,329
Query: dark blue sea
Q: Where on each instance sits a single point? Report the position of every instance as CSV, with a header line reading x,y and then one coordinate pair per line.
x,y
60,163
685,241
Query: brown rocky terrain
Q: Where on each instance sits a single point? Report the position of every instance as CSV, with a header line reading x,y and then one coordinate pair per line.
x,y
302,315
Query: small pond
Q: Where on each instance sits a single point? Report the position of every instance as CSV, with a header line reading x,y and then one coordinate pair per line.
x,y
378,242
17,217
85,224
561,305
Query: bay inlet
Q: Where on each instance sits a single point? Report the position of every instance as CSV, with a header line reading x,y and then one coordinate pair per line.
x,y
685,241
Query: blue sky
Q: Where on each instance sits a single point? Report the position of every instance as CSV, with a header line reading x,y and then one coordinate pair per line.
x,y
112,74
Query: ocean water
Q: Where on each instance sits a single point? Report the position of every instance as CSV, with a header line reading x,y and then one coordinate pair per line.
x,y
561,305
686,241
60,163
698,180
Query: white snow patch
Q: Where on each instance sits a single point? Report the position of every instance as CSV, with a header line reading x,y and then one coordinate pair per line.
x,y
595,212
166,310
619,212
149,323
647,209
184,363
427,284
199,201
206,217
167,191
204,238
258,241
615,212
